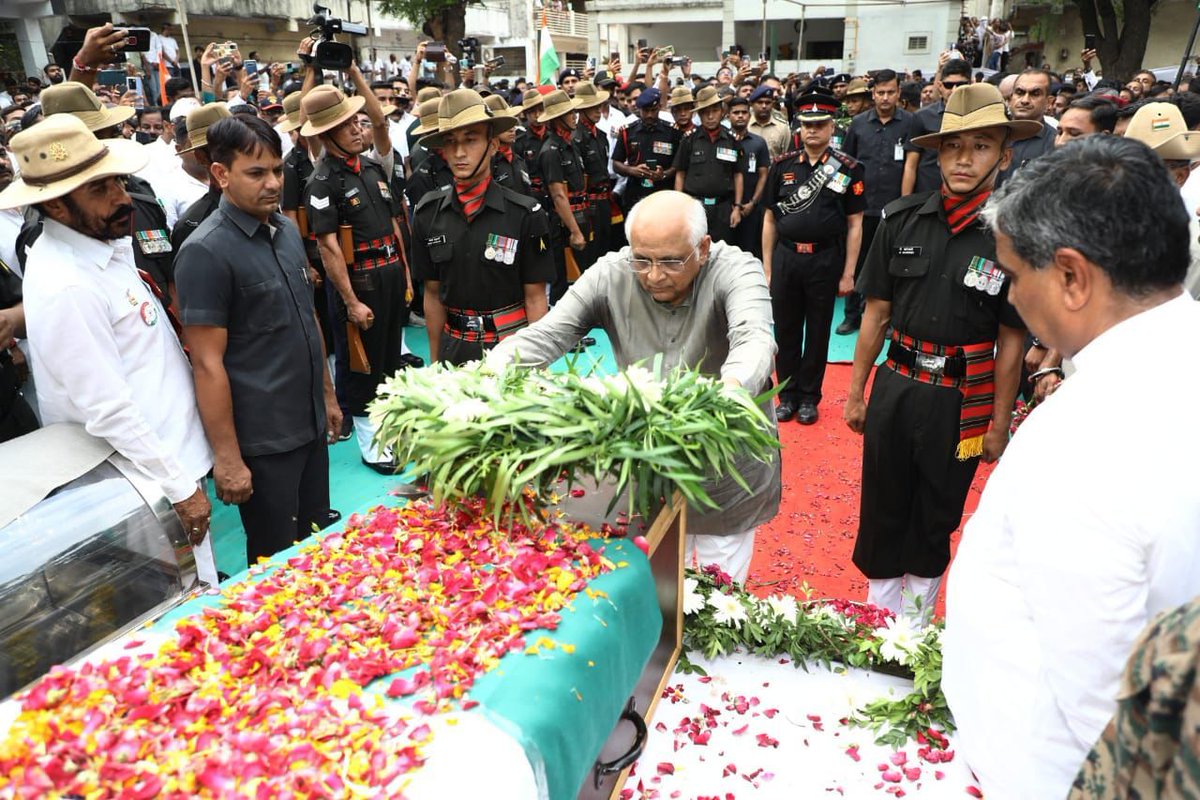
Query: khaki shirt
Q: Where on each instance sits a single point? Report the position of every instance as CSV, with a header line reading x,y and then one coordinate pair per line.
x,y
723,329
777,134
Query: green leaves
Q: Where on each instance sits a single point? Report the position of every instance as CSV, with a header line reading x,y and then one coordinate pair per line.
x,y
477,432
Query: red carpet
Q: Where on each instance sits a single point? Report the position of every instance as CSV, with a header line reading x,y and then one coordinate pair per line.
x,y
813,537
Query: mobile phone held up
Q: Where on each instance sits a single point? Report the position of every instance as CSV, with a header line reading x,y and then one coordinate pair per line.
x,y
111,77
224,49
134,84
1089,41
137,40
251,67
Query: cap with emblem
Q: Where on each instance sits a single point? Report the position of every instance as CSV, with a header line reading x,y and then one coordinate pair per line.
x,y
428,114
977,107
1160,126
558,104
604,79
200,120
532,99
291,108
463,108
839,79
708,96
570,72
857,87
680,96
78,100
500,106
648,97
270,103
816,107
428,93
588,96
326,108
60,154
762,92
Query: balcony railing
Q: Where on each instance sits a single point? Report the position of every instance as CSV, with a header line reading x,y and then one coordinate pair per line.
x,y
562,23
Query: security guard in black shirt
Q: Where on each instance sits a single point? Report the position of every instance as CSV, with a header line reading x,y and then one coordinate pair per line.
x,y
198,122
812,231
353,212
508,167
945,395
709,166
592,144
561,169
645,151
481,248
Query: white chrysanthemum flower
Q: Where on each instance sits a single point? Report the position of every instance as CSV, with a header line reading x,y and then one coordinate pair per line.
x,y
729,610
783,605
645,384
693,601
467,410
595,385
488,387
899,640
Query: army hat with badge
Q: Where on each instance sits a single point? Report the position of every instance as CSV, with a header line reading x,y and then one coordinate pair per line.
x,y
80,101
816,106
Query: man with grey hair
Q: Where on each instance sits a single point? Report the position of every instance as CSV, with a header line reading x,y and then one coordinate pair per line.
x,y
676,293
1087,529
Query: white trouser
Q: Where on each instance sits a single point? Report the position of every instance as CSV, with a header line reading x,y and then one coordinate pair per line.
x,y
904,595
731,553
364,431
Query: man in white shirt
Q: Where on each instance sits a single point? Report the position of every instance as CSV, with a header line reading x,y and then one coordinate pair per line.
x,y
170,50
1088,528
105,354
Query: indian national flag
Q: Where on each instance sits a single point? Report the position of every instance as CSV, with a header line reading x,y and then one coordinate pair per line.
x,y
548,56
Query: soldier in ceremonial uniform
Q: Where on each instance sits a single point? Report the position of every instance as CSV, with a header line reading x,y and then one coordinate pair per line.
x,y
682,104
561,169
645,151
812,231
592,144
508,167
529,141
429,170
944,398
481,248
351,207
708,166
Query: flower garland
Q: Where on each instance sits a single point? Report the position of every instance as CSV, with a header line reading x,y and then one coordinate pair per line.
x,y
720,617
474,431
264,696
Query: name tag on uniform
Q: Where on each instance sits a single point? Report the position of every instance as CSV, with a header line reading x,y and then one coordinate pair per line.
x,y
352,192
911,250
432,240
663,148
898,153
726,154
153,242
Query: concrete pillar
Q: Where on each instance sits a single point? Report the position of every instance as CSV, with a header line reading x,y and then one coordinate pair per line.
x,y
728,34
32,46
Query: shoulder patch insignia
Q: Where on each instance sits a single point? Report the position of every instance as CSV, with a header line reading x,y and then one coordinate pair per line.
x,y
319,203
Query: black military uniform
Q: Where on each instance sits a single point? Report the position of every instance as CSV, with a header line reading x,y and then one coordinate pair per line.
x,y
297,169
592,144
711,162
16,418
196,213
948,299
654,144
482,266
559,162
153,248
809,203
528,145
358,193
510,171
432,173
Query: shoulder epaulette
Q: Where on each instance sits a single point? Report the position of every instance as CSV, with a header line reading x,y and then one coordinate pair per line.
x,y
434,196
785,156
849,162
904,203
523,200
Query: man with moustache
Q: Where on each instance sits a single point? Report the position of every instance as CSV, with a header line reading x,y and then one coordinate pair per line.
x,y
262,385
104,350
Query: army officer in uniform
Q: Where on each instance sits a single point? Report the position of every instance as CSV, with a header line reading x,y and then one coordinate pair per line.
x,y
709,164
481,248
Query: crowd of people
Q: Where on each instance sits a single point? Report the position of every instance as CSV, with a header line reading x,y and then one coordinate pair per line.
x,y
217,285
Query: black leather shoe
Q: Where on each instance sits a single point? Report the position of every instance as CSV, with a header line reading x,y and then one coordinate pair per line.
x,y
347,429
849,325
382,467
785,411
807,414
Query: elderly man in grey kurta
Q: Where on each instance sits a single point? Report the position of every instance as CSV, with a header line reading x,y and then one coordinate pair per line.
x,y
675,292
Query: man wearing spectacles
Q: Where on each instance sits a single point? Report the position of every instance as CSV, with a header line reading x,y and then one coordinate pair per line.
x,y
1030,99
675,293
921,172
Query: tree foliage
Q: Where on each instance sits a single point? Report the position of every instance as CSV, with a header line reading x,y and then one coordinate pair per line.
x,y
1122,29
440,20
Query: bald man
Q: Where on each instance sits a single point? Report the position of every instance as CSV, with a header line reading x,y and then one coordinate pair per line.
x,y
676,293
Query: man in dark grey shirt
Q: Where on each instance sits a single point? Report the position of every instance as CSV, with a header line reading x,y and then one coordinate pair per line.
x,y
258,358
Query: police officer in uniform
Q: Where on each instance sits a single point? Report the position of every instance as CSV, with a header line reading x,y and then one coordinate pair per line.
x,y
351,206
709,165
592,144
812,231
561,169
481,248
945,395
508,167
198,122
645,151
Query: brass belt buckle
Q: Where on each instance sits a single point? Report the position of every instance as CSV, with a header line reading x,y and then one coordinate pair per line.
x,y
935,365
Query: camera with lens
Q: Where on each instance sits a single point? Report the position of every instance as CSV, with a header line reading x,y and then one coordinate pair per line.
x,y
328,53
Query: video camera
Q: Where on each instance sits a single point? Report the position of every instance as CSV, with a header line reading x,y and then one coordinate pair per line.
x,y
330,54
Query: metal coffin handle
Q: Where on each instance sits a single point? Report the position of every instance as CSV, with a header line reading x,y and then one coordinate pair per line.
x,y
604,768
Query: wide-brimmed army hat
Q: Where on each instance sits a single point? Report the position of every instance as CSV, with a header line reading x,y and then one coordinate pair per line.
x,y
1160,126
974,108
428,93
558,104
72,97
291,110
463,108
427,112
588,96
199,120
857,87
532,99
708,96
680,96
326,108
60,154
500,106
